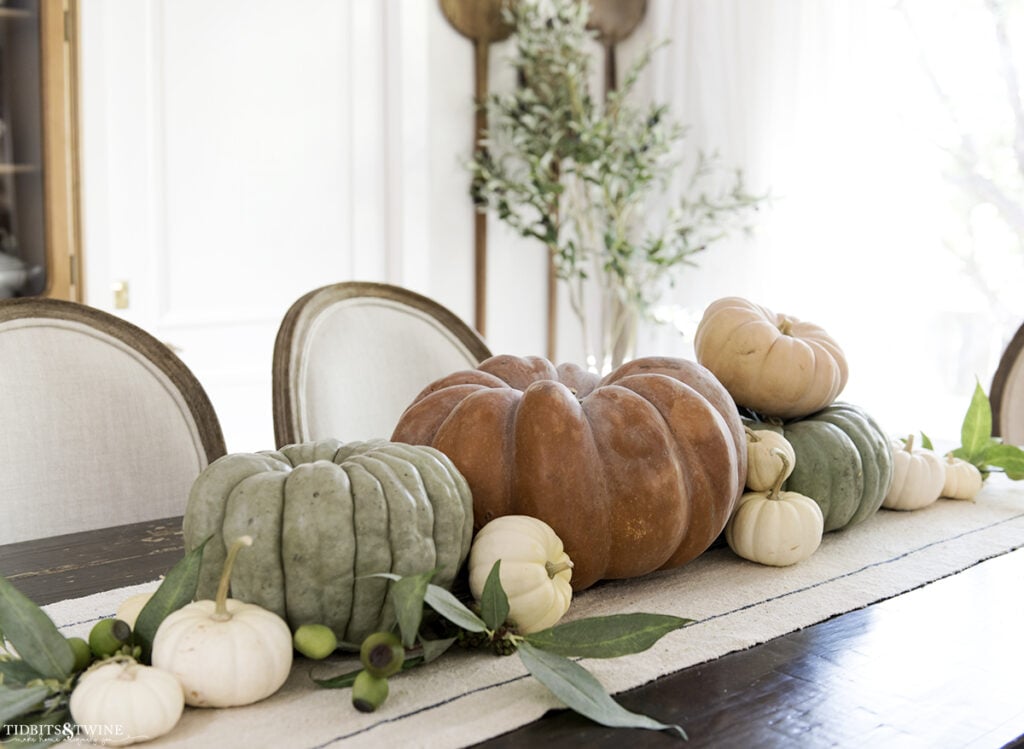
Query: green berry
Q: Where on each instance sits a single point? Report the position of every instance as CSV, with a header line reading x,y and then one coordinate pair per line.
x,y
382,654
368,692
316,641
108,636
82,651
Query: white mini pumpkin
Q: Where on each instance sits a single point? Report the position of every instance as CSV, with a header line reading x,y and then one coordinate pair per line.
x,y
120,702
775,528
763,463
963,479
535,571
918,475
224,652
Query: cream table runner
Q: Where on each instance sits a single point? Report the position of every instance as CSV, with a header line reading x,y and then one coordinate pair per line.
x,y
467,697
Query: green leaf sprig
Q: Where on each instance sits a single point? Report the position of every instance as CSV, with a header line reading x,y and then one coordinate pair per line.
x,y
977,445
546,654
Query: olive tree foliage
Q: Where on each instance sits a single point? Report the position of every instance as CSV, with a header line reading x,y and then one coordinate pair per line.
x,y
580,171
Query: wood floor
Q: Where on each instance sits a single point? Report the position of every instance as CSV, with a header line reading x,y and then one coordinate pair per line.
x,y
937,667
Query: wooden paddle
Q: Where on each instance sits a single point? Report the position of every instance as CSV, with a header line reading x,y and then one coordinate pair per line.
x,y
481,22
614,20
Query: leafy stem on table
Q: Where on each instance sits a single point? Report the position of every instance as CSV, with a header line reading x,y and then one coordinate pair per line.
x,y
547,655
977,445
37,663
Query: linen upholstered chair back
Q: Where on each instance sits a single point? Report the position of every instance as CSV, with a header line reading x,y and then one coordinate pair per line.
x,y
351,356
100,424
1007,392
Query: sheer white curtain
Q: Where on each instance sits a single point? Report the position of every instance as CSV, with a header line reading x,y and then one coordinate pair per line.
x,y
826,104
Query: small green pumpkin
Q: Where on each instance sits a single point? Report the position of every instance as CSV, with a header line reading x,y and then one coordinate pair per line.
x,y
843,461
324,516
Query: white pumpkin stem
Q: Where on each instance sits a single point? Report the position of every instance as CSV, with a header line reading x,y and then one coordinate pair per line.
x,y
783,473
908,443
786,327
553,569
220,611
751,434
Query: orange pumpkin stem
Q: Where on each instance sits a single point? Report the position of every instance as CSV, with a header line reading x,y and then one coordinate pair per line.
x,y
220,611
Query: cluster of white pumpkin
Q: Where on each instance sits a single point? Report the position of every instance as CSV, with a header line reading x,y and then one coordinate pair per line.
x,y
209,653
921,476
770,526
778,528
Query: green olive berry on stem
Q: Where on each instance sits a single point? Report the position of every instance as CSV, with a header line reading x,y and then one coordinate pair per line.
x,y
382,654
368,692
316,641
108,636
82,651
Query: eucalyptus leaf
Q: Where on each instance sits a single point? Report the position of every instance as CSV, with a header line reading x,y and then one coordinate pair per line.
x,y
16,671
15,701
976,432
452,609
407,594
579,690
493,601
31,632
177,589
606,636
434,649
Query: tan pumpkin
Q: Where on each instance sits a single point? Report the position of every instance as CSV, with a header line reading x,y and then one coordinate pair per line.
x,y
771,363
918,475
637,471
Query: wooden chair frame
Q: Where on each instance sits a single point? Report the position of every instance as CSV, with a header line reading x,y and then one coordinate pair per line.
x,y
192,392
297,323
1001,379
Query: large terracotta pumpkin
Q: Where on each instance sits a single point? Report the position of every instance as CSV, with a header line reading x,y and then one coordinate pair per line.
x,y
635,472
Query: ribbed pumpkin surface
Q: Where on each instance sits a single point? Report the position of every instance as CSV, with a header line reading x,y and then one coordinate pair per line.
x,y
323,516
635,472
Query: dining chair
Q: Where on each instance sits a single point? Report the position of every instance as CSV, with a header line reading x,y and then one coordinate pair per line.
x,y
100,423
1007,392
351,356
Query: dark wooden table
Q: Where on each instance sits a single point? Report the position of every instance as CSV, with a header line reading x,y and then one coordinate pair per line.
x,y
940,666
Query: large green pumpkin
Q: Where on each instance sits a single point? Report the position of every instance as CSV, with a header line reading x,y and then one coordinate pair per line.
x,y
843,462
323,517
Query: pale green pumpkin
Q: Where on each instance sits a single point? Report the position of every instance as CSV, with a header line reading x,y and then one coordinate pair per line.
x,y
323,517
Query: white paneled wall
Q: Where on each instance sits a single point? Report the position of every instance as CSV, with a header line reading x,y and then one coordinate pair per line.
x,y
239,153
